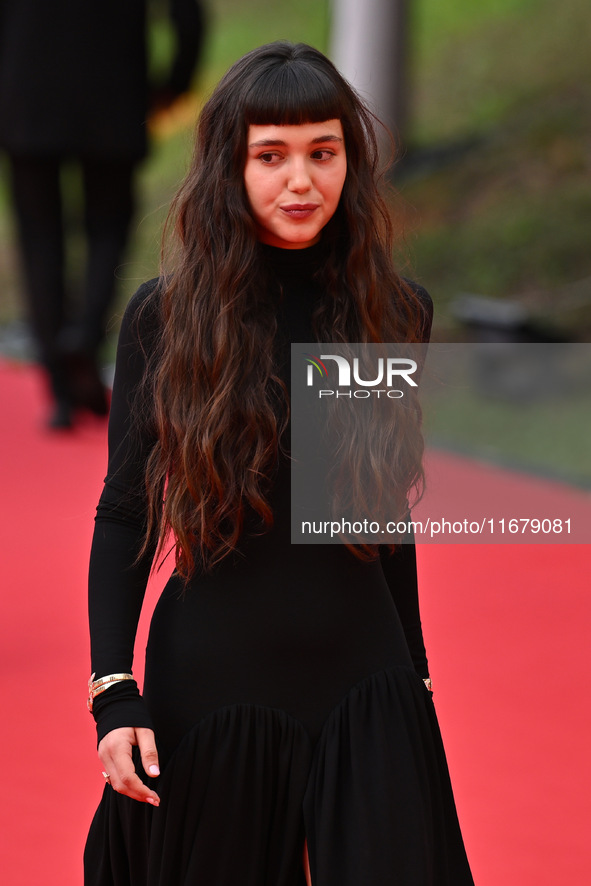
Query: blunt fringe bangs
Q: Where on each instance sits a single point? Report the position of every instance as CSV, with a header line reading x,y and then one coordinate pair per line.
x,y
293,94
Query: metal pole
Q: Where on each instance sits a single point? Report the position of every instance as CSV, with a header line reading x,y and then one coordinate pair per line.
x,y
368,46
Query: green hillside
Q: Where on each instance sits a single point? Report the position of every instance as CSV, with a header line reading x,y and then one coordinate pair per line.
x,y
510,216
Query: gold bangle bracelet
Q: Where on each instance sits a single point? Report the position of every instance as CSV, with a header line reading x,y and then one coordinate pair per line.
x,y
428,683
95,687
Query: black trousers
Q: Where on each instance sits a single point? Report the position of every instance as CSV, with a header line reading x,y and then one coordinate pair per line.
x,y
39,200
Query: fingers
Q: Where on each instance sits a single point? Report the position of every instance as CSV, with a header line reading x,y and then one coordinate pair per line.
x,y
147,746
115,755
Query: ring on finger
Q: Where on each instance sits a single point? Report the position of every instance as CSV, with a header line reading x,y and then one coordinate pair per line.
x,y
107,777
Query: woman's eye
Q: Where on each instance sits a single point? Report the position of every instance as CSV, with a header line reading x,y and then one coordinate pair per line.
x,y
269,157
324,154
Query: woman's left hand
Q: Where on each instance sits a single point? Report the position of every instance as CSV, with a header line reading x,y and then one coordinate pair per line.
x,y
115,753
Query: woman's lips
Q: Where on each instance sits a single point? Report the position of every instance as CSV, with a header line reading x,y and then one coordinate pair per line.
x,y
299,210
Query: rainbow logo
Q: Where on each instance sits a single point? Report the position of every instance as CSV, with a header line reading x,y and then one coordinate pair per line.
x,y
314,361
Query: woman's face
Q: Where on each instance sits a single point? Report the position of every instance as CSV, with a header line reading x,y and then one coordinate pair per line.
x,y
294,176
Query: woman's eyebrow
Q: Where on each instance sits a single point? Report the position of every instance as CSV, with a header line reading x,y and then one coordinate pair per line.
x,y
277,142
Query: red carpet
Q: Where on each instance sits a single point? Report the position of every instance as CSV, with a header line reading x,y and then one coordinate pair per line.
x,y
506,626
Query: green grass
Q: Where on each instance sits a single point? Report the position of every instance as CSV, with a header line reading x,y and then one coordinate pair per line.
x,y
239,26
522,406
510,217
474,62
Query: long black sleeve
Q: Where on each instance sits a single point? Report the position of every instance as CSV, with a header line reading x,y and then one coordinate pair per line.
x,y
400,571
189,24
117,580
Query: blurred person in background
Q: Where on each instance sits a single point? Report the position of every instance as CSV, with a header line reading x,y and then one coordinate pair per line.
x,y
74,86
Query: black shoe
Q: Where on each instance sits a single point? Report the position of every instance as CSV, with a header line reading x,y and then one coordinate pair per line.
x,y
61,418
85,386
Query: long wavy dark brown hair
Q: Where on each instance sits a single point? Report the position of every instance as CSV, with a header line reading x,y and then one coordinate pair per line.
x,y
219,406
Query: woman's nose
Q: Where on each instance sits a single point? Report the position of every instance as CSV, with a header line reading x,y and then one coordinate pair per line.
x,y
299,177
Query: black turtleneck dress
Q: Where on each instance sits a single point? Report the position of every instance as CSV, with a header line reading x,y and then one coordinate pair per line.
x,y
285,688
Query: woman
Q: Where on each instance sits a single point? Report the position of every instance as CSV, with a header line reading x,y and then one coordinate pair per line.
x,y
284,700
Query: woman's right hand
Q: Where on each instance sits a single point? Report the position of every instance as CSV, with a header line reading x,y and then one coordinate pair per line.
x,y
114,752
